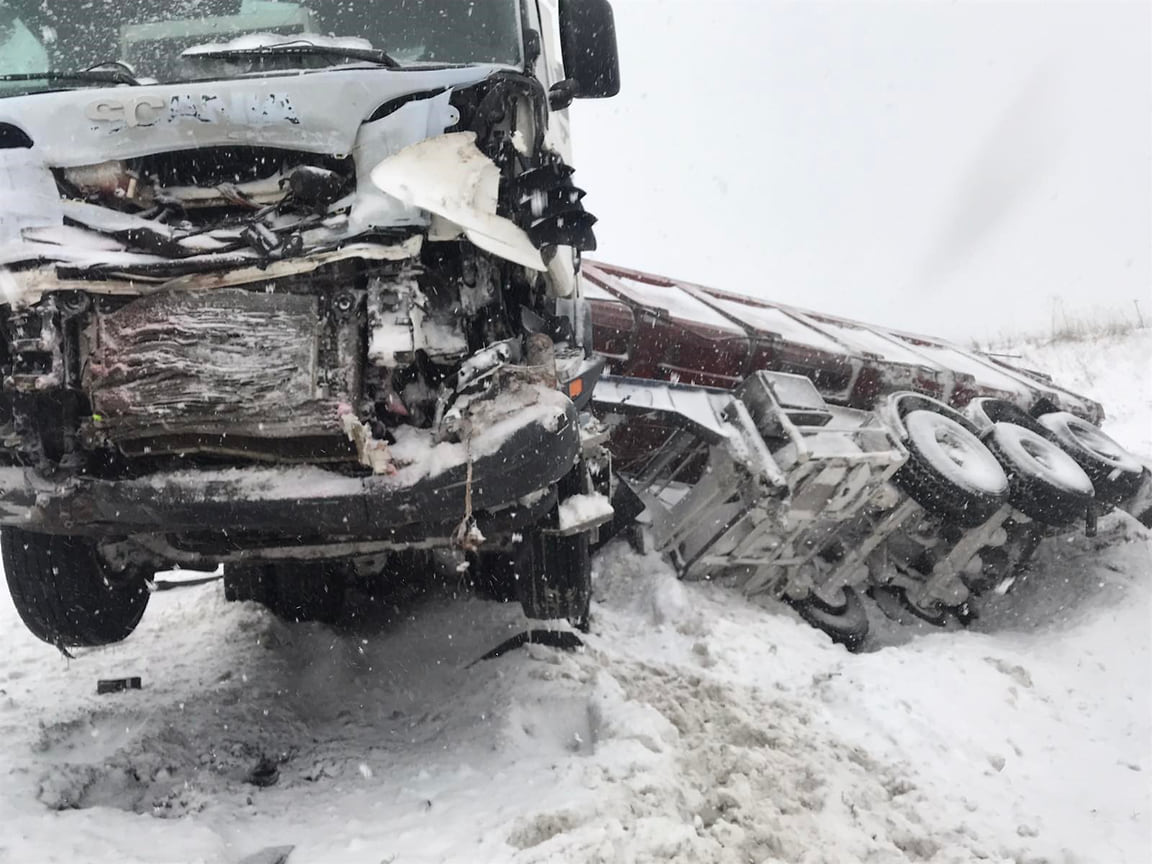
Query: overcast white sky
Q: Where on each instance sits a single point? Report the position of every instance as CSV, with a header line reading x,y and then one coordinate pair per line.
x,y
953,167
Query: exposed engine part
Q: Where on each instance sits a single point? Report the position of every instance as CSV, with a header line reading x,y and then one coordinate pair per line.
x,y
404,320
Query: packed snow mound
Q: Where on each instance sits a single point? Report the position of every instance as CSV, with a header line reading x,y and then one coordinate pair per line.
x,y
696,726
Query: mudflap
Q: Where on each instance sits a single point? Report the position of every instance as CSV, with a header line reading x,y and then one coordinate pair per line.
x,y
845,623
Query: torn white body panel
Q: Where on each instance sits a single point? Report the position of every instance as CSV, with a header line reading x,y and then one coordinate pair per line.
x,y
562,271
29,196
380,139
450,177
291,110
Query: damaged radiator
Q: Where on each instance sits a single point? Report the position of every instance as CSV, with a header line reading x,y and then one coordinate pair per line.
x,y
228,362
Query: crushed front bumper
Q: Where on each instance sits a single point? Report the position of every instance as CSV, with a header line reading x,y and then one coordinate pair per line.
x,y
512,461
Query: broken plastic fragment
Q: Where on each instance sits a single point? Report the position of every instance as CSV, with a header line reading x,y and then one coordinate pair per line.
x,y
372,452
448,176
117,685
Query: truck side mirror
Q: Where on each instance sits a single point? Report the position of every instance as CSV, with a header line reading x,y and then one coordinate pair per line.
x,y
588,43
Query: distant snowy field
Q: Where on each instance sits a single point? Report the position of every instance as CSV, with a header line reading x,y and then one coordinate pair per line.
x,y
696,727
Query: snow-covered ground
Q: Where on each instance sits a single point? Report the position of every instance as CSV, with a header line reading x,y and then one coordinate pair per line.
x,y
697,726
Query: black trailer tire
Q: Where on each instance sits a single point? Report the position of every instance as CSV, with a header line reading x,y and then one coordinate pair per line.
x,y
1115,473
893,601
555,576
845,623
949,472
937,616
299,591
65,594
1045,483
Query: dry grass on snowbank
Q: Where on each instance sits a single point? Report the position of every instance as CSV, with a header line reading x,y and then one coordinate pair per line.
x,y
1079,326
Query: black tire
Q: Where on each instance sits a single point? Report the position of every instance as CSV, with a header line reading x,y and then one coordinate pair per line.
x,y
936,616
845,623
554,577
893,601
306,590
65,594
1115,473
949,472
1045,483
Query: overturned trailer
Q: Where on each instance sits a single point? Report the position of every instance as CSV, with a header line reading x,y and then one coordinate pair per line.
x,y
818,459
288,282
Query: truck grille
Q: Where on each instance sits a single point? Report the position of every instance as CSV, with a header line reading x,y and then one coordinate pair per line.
x,y
227,361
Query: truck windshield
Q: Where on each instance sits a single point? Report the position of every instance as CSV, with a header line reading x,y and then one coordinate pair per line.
x,y
151,35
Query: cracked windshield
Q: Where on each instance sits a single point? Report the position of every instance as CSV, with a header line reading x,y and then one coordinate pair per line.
x,y
154,39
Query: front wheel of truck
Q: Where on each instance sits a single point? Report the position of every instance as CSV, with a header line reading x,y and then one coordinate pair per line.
x,y
66,594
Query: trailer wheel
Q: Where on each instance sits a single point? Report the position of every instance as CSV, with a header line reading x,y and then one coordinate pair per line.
x,y
65,594
555,577
949,472
936,615
306,590
1115,473
846,622
894,602
1045,483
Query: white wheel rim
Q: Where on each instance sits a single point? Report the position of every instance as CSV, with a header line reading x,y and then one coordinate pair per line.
x,y
1092,440
1035,455
954,446
960,458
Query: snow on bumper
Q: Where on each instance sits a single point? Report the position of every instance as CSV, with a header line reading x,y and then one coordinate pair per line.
x,y
511,459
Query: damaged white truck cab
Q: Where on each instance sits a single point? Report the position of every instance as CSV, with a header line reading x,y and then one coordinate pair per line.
x,y
291,287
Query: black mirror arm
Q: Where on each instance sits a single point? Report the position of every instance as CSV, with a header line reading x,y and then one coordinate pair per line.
x,y
533,46
562,93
